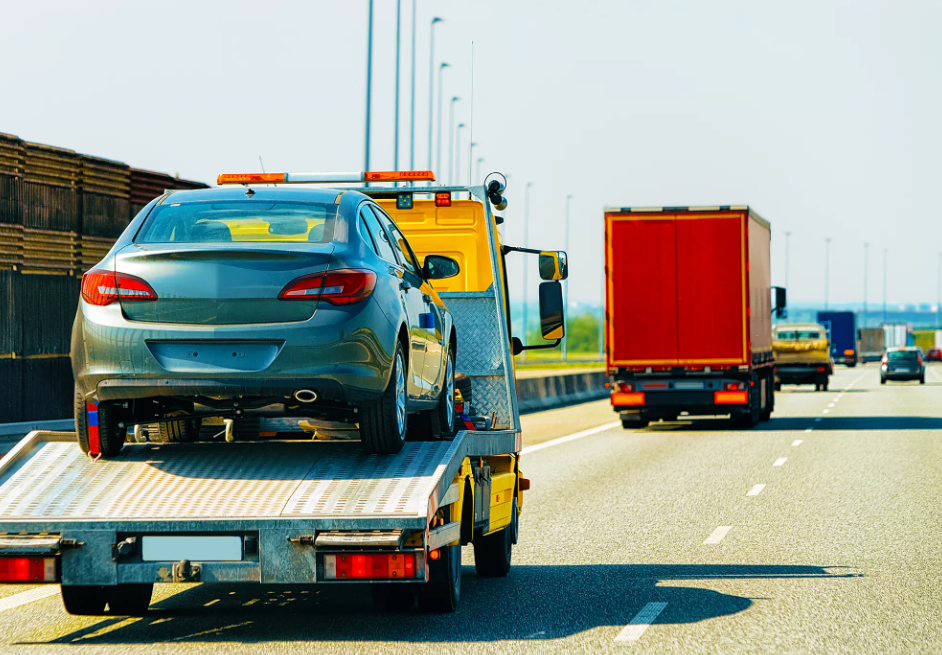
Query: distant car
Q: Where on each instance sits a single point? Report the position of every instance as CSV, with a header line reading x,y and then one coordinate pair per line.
x,y
900,364
934,355
221,301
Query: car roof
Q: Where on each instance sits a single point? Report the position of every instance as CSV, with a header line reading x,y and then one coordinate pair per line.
x,y
263,193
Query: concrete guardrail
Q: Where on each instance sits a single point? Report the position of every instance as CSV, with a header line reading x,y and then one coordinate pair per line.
x,y
551,392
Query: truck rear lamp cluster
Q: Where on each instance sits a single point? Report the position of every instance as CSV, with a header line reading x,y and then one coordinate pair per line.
x,y
730,397
341,287
101,287
27,569
374,566
624,387
620,399
734,386
820,369
443,199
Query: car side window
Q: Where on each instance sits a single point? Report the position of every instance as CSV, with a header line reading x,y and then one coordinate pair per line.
x,y
379,236
399,242
365,233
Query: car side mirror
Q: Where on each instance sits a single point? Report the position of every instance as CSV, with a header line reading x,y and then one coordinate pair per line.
x,y
552,319
439,267
554,266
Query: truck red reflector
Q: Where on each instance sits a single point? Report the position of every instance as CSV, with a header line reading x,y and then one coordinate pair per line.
x,y
345,286
101,287
848,352
27,569
620,398
731,397
373,566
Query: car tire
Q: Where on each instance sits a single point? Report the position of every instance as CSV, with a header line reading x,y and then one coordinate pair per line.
x,y
110,436
463,384
383,423
184,430
84,600
922,379
129,599
882,380
442,421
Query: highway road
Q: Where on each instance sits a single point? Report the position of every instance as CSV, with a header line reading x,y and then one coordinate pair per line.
x,y
817,532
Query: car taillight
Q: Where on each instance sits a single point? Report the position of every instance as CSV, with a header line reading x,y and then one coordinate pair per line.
x,y
919,359
345,286
374,566
101,287
27,569
734,386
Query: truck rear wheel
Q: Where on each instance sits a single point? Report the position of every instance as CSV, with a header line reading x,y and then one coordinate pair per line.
x,y
84,600
110,436
129,599
383,423
492,554
769,399
443,589
634,422
751,417
393,597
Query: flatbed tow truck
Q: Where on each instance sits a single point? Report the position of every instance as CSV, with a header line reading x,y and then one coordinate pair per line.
x,y
279,512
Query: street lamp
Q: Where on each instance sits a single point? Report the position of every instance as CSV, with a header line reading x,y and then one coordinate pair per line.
x,y
369,84
470,161
456,180
477,171
827,268
884,284
451,136
526,244
787,234
396,112
431,86
566,283
438,158
866,253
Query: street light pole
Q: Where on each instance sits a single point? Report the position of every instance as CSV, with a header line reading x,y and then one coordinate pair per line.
x,y
470,159
827,268
451,136
526,234
412,104
369,84
456,180
938,304
566,285
787,235
431,89
438,158
884,284
477,171
866,253
398,67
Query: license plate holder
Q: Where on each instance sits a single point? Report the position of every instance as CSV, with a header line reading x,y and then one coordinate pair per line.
x,y
196,548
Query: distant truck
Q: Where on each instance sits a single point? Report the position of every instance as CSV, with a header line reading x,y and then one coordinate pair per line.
x,y
802,355
870,344
842,328
689,314
897,336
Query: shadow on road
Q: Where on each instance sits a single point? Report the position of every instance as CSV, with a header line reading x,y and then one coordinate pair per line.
x,y
534,602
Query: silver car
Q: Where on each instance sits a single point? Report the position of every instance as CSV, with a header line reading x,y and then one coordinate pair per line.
x,y
306,302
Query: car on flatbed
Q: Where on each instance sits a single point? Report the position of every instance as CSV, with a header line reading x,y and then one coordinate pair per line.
x,y
903,364
308,302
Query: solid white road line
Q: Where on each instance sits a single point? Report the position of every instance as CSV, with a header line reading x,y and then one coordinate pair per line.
x,y
809,430
717,535
780,461
29,596
641,622
797,442
756,490
570,437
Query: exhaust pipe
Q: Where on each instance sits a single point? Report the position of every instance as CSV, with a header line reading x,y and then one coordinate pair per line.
x,y
305,396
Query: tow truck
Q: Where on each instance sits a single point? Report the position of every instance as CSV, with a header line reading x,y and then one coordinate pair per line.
x,y
291,511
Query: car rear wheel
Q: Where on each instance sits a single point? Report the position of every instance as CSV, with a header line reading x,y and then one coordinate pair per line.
x,y
444,412
110,436
383,423
184,430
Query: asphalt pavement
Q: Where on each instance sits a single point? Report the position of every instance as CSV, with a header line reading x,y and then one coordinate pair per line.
x,y
817,532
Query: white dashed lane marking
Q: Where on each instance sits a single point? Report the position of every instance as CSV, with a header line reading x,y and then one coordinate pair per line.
x,y
780,461
756,490
28,596
797,442
718,534
641,622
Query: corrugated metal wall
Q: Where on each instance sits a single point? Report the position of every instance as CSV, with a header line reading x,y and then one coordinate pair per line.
x,y
60,211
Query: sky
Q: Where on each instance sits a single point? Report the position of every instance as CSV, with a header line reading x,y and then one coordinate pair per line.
x,y
824,115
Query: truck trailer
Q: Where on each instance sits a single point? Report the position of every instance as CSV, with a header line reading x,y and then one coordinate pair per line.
x,y
282,511
688,313
842,332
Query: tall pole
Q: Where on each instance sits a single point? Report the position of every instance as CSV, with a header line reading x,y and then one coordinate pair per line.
x,y
431,90
566,284
477,171
438,158
884,284
470,156
456,180
787,234
398,51
866,253
412,104
369,85
827,268
451,136
938,304
526,233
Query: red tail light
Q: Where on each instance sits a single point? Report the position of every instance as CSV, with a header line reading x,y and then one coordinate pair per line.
x,y
374,566
919,359
345,286
27,569
734,386
624,387
101,287
820,369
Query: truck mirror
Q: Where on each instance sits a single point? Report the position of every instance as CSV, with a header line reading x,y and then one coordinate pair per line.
x,y
780,302
552,319
439,267
554,266
516,346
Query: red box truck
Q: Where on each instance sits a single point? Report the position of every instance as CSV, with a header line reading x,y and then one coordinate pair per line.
x,y
688,315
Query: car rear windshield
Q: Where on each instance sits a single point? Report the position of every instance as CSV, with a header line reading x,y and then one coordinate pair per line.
x,y
902,356
797,335
215,222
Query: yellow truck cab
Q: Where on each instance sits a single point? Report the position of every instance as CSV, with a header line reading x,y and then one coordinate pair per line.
x,y
802,355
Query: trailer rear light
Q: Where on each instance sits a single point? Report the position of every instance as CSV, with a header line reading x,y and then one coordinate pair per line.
x,y
434,555
101,287
341,287
730,397
734,386
820,369
374,566
621,399
848,352
443,199
624,387
27,569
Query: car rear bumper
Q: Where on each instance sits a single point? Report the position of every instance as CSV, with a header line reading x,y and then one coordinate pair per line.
x,y
895,375
669,404
800,374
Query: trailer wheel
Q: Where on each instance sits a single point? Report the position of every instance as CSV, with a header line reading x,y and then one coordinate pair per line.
x,y
84,600
750,418
110,436
443,589
634,423
769,399
383,423
492,554
392,597
129,599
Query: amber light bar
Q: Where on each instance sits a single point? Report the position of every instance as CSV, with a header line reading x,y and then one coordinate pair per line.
x,y
325,178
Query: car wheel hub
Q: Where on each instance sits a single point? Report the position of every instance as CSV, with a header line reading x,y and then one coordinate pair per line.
x,y
450,393
400,397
